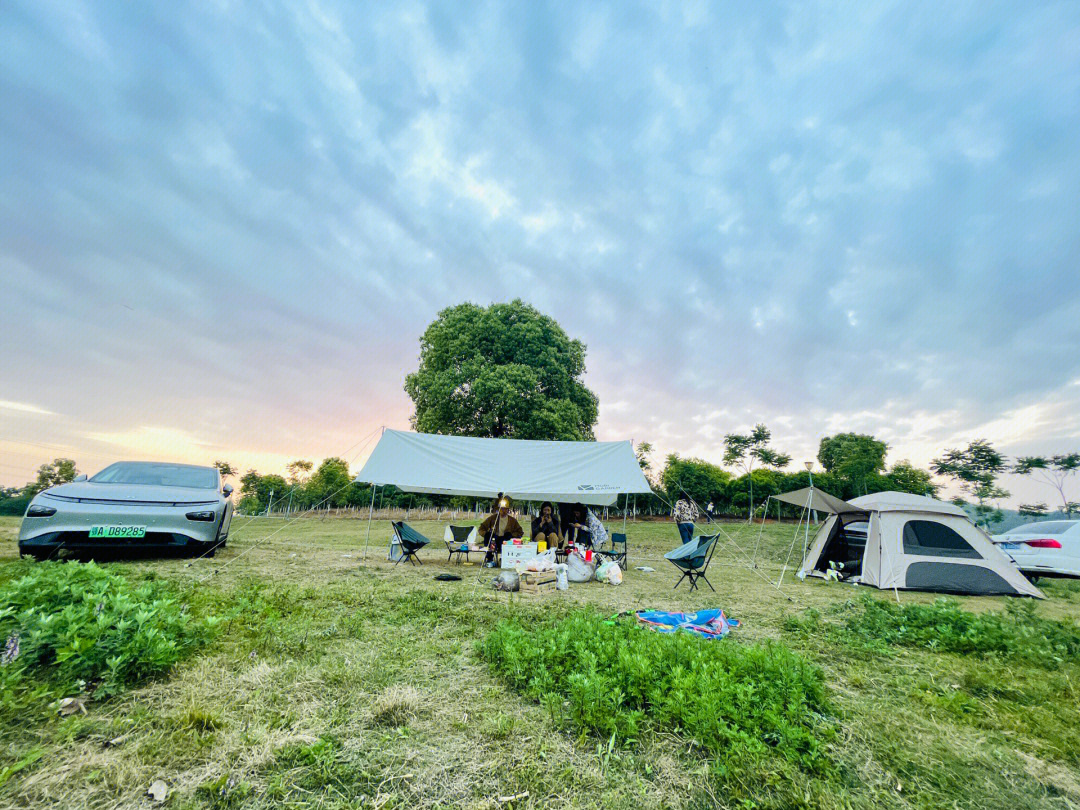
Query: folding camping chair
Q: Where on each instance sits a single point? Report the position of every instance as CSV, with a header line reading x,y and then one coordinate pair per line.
x,y
457,540
411,541
615,554
693,559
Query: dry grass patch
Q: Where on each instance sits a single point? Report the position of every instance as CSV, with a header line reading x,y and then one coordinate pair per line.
x,y
396,706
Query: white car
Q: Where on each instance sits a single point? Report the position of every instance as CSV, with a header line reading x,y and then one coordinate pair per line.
x,y
1050,548
131,507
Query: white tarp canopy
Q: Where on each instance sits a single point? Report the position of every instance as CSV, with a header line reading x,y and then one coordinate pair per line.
x,y
595,473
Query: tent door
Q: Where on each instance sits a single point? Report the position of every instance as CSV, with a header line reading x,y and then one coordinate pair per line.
x,y
846,546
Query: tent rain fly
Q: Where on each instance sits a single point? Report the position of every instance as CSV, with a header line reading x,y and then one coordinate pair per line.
x,y
594,473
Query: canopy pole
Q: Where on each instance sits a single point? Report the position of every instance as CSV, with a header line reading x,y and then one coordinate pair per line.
x,y
371,508
753,561
809,503
805,515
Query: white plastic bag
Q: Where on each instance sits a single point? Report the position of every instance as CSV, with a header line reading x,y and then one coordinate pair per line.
x,y
542,562
577,570
561,581
506,581
609,572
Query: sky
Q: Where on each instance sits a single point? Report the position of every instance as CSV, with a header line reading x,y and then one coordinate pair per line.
x,y
224,226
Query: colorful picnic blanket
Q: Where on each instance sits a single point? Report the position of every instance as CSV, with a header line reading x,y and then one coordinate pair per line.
x,y
706,623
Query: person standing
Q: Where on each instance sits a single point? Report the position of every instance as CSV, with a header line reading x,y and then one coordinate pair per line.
x,y
685,516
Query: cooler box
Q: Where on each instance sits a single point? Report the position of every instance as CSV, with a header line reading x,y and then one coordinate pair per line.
x,y
512,555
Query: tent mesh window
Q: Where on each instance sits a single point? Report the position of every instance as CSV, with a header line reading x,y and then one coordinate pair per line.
x,y
928,538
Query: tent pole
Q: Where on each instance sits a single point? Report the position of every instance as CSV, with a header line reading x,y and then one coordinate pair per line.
x,y
371,508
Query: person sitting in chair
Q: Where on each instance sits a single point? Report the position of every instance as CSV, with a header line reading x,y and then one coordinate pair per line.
x,y
500,525
590,531
545,527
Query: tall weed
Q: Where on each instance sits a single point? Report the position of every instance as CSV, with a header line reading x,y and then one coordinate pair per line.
x,y
1018,633
68,625
615,679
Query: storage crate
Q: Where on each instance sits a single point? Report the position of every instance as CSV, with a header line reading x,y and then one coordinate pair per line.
x,y
537,581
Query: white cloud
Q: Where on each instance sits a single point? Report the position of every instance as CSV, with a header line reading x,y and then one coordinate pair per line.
x,y
24,407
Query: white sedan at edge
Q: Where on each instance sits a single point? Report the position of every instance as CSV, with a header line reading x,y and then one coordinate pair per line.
x,y
130,508
1050,548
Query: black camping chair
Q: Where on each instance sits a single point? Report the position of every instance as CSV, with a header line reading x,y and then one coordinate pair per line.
x,y
617,553
693,559
460,544
411,542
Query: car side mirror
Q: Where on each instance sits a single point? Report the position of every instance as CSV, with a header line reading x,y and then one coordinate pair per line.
x,y
227,490
80,477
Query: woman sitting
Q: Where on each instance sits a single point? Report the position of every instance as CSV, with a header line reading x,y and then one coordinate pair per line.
x,y
590,531
545,527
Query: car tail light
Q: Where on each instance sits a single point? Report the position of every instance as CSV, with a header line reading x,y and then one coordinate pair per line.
x,y
207,515
1043,542
37,510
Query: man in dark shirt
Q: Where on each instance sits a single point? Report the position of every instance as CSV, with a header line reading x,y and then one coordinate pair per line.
x,y
545,527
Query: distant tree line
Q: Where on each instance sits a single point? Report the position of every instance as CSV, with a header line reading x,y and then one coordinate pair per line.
x,y
509,371
853,464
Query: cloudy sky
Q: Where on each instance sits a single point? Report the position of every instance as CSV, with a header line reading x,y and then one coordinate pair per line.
x,y
223,227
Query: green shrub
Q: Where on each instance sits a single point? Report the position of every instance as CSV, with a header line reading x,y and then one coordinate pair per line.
x,y
1018,633
618,680
67,625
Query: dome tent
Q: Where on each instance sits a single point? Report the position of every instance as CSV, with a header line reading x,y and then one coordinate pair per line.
x,y
911,542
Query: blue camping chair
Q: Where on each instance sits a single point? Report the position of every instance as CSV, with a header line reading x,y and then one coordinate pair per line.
x,y
411,541
693,559
617,552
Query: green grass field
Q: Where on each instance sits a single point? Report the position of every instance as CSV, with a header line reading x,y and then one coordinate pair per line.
x,y
345,682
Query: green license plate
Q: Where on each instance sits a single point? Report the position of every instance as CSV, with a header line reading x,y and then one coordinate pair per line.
x,y
108,532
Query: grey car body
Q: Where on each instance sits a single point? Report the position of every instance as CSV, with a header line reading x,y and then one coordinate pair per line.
x,y
181,508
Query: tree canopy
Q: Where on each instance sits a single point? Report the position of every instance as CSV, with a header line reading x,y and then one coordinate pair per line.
x,y
1053,471
501,371
702,481
975,469
744,450
853,456
58,471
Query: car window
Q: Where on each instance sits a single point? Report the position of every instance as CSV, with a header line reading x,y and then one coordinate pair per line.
x,y
1046,527
162,475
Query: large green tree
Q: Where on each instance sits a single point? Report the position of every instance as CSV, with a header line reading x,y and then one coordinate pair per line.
x,y
58,471
855,457
975,469
702,481
906,477
501,371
